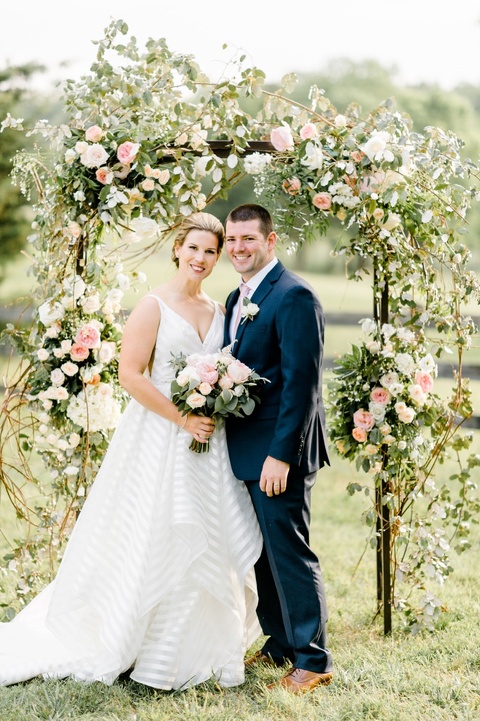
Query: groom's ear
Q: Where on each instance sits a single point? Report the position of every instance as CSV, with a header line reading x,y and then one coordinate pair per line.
x,y
272,240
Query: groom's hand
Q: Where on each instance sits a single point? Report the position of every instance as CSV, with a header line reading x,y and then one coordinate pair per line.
x,y
273,480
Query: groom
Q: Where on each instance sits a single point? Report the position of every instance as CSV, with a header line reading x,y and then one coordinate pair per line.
x,y
279,449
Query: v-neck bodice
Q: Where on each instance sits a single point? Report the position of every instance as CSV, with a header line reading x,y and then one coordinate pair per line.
x,y
177,335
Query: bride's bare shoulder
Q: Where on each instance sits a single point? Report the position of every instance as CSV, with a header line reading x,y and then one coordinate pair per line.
x,y
161,291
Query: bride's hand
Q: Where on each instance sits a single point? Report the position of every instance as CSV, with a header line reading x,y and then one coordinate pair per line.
x,y
201,427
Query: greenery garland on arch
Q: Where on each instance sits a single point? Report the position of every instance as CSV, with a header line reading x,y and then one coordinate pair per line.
x,y
134,157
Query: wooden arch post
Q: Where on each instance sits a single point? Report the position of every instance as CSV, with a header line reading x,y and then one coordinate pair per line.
x,y
383,522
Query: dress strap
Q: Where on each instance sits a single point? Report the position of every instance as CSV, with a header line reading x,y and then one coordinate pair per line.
x,y
159,300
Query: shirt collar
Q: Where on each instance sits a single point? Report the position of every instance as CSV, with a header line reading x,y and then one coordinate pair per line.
x,y
256,279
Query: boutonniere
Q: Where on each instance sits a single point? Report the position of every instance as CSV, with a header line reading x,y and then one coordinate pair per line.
x,y
249,310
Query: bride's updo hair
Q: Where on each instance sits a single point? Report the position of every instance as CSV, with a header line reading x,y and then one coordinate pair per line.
x,y
198,221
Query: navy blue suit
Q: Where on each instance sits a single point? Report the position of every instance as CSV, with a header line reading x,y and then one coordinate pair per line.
x,y
284,343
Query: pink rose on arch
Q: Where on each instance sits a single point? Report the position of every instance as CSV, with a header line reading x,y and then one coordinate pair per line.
x,y
363,419
94,134
104,175
127,152
148,185
380,395
122,172
88,336
360,434
357,155
407,415
291,186
79,352
322,201
308,131
281,138
238,371
424,380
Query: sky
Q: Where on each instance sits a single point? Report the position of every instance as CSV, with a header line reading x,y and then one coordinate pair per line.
x,y
432,41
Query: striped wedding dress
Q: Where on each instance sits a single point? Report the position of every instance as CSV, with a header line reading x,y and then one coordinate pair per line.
x,y
157,578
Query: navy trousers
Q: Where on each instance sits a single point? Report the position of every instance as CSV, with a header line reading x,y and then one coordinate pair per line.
x,y
292,608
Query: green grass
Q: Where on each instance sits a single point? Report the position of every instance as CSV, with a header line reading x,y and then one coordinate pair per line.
x,y
429,677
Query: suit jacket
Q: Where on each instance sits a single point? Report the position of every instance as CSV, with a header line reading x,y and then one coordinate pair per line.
x,y
284,343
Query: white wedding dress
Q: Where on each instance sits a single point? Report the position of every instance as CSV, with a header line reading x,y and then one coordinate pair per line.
x,y
158,574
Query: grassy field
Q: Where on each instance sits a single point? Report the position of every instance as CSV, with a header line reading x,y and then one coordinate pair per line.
x,y
428,677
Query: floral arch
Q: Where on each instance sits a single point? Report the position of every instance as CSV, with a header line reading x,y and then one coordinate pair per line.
x,y
150,139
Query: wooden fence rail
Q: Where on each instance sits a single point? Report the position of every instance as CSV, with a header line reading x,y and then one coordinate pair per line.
x,y
10,314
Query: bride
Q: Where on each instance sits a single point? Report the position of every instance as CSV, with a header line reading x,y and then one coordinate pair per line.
x,y
157,578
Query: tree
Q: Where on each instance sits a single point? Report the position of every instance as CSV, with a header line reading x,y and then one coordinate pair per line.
x,y
14,212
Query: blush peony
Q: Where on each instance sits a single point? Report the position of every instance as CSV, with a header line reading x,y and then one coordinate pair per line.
x,y
424,380
360,434
238,371
363,419
88,336
322,201
380,395
79,352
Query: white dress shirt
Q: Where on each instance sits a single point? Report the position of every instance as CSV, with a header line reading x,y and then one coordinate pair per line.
x,y
253,284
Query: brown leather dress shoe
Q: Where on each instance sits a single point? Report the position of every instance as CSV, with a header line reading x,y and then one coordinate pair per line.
x,y
259,657
297,680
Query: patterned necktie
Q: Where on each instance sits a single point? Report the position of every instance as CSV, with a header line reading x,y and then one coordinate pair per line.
x,y
244,290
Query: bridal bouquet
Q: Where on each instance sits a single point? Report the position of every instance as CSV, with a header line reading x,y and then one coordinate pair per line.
x,y
216,385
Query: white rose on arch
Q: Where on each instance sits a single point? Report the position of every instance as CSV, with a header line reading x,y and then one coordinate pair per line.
x,y
50,312
313,159
140,229
392,221
376,146
94,156
75,286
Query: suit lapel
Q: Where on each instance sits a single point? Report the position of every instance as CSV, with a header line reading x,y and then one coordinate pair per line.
x,y
258,297
231,300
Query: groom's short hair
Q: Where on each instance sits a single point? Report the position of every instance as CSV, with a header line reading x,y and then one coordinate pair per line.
x,y
252,211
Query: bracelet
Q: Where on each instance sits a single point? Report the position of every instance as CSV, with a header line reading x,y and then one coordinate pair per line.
x,y
184,423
